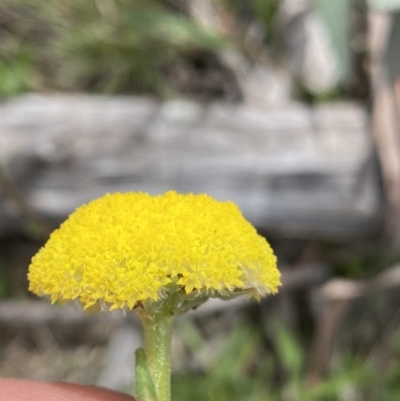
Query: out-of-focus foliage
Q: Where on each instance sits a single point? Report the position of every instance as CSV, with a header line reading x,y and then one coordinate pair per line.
x,y
113,46
243,370
105,46
5,281
259,13
238,371
119,46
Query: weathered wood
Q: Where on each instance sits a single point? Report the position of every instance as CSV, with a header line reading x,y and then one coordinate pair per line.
x,y
37,313
295,169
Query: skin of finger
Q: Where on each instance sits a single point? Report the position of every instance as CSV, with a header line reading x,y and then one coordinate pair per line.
x,y
29,390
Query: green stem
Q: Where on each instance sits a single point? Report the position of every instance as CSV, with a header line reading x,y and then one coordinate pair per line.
x,y
157,329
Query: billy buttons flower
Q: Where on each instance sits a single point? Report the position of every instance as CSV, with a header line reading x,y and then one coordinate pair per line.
x,y
158,255
126,249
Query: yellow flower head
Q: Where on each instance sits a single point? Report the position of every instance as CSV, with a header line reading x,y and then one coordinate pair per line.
x,y
125,249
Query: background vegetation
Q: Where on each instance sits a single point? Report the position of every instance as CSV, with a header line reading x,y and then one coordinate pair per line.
x,y
98,46
244,370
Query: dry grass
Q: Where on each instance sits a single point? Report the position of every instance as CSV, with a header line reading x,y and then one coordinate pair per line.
x,y
79,365
43,354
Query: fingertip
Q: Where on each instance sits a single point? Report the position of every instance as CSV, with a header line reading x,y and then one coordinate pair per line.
x,y
29,390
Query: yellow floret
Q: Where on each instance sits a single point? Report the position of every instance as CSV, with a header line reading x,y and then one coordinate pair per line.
x,y
122,249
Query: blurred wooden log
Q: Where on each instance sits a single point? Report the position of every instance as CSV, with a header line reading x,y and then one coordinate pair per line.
x,y
294,170
39,313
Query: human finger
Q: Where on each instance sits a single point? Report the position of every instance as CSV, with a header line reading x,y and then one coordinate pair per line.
x,y
12,389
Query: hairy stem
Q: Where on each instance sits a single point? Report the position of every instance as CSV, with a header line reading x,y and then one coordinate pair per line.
x,y
157,349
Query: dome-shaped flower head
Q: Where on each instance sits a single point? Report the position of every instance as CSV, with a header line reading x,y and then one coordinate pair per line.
x,y
123,250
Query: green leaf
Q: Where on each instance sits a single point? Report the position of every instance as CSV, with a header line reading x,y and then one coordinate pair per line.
x,y
289,350
335,14
385,5
15,74
145,390
392,51
190,334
